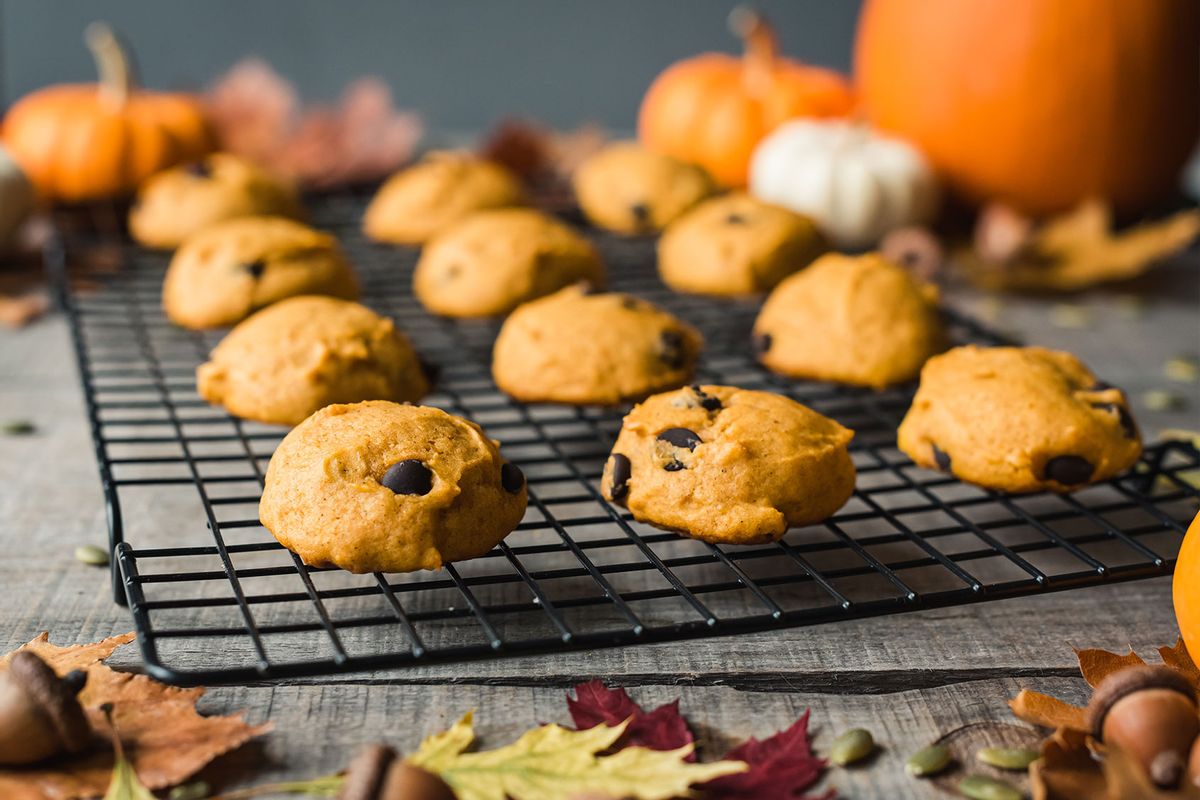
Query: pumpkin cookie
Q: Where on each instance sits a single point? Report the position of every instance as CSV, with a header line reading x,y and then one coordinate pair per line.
x,y
421,201
182,201
304,353
1019,419
492,261
727,465
860,320
627,189
735,245
385,487
580,347
228,271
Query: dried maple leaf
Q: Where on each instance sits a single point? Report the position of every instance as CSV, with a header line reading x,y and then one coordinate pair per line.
x,y
782,767
1049,712
552,762
664,728
1079,249
1066,768
1096,665
167,739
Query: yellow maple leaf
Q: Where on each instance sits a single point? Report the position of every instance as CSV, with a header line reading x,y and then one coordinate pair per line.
x,y
552,762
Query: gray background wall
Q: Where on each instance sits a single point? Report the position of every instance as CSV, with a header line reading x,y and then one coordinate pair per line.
x,y
463,63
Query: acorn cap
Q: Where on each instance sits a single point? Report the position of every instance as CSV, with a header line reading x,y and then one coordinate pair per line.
x,y
54,697
366,773
1126,682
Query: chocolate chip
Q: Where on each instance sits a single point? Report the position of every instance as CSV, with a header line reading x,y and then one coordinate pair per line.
x,y
641,213
707,401
198,169
736,219
760,343
622,470
672,350
408,477
1069,470
940,457
511,478
590,288
680,437
674,466
631,303
1128,426
255,268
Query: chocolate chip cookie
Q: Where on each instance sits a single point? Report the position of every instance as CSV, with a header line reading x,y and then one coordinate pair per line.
x,y
421,201
177,203
1019,419
385,487
228,271
582,347
728,465
735,245
629,190
304,353
492,261
859,320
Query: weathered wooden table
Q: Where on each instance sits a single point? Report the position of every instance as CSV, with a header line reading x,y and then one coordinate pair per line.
x,y
909,678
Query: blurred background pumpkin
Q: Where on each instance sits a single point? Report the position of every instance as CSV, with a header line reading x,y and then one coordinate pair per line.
x,y
1040,104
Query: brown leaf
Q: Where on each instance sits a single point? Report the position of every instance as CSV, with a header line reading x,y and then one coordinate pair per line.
x,y
167,740
1177,658
1125,778
1066,770
1049,712
1079,249
19,311
1095,665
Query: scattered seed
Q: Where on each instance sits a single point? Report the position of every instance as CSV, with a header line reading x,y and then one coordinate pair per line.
x,y
1162,400
978,787
928,761
1067,315
853,745
990,309
1008,757
196,790
91,554
1183,369
17,427
1131,306
1180,435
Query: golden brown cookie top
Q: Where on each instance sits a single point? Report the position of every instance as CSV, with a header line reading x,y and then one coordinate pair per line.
x,y
860,320
423,200
231,269
380,486
582,346
179,202
628,189
1019,419
491,261
736,245
303,353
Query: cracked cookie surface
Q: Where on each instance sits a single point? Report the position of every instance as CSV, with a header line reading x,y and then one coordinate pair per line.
x,y
729,465
1019,419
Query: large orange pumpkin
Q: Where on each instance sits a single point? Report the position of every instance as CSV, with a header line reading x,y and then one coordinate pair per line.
x,y
1040,104
714,108
1185,589
80,142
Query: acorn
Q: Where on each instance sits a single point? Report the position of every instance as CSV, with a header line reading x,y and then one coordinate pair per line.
x,y
40,716
1150,712
378,773
916,249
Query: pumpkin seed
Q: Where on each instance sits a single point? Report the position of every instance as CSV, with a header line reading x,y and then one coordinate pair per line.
x,y
17,427
1069,315
853,745
1008,757
1183,369
196,790
1163,400
928,761
979,787
91,554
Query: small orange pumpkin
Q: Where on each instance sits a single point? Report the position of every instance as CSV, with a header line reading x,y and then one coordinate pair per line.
x,y
1038,104
714,108
80,142
1185,589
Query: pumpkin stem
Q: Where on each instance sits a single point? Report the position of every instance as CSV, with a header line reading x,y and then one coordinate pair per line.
x,y
761,47
112,62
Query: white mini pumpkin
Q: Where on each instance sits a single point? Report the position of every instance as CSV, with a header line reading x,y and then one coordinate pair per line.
x,y
16,198
856,184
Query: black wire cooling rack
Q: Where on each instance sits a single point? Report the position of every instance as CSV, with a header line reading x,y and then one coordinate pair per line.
x,y
208,586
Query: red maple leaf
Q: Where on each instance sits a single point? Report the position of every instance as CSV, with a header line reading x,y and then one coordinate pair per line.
x,y
781,768
664,728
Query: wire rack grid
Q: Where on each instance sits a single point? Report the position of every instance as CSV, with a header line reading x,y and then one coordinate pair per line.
x,y
215,598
